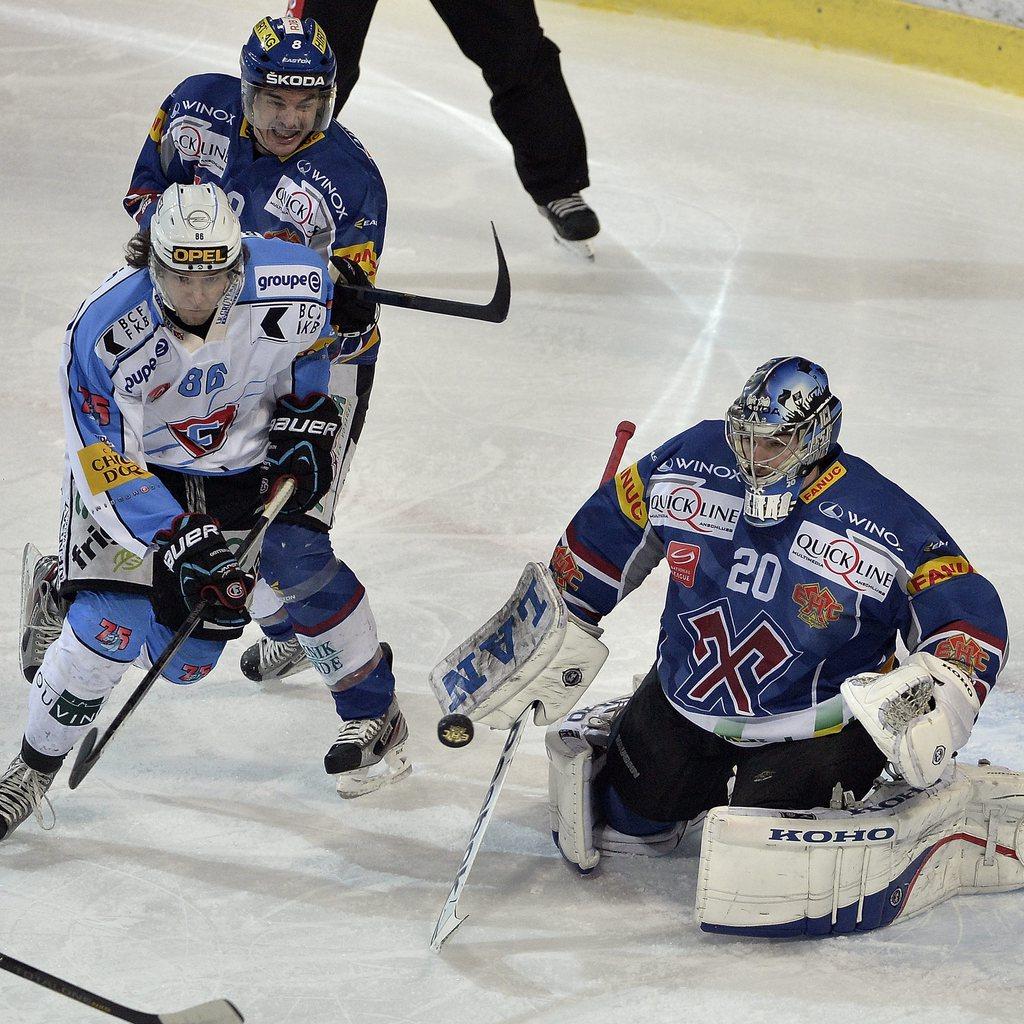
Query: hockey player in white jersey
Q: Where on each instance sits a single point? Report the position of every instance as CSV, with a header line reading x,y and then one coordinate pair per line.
x,y
192,380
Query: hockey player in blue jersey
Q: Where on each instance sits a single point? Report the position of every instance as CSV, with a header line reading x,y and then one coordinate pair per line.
x,y
291,171
794,570
191,381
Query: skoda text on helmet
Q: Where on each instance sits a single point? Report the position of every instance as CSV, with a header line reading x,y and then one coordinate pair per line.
x,y
784,423
194,231
286,53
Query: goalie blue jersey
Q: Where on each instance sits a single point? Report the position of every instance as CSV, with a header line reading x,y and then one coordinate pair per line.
x,y
328,195
762,624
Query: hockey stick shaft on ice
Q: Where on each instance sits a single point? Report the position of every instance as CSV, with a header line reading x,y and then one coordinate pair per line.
x,y
218,1011
448,920
89,750
494,311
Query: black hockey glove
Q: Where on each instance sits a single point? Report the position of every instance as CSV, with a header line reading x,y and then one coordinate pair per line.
x,y
302,437
193,563
351,314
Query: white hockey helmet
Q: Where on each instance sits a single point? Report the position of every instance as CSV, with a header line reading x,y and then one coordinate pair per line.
x,y
193,230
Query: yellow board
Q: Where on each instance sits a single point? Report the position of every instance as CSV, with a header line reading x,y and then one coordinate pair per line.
x,y
980,51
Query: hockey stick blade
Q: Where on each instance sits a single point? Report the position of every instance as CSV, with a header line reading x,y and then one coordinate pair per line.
x,y
493,312
90,750
217,1011
448,920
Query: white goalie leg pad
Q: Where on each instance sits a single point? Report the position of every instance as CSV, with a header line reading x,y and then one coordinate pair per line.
x,y
571,771
532,650
919,714
777,873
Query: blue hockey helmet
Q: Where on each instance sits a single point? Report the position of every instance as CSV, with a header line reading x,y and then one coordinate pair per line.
x,y
286,53
784,424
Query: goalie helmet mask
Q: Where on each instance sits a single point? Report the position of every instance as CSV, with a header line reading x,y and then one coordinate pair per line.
x,y
194,231
286,53
784,424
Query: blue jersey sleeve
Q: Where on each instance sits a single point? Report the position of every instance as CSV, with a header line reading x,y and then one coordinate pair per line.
x,y
157,168
609,547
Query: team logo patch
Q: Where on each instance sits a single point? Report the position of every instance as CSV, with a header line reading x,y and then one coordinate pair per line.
x,y
937,571
203,435
682,561
818,607
565,570
96,406
964,651
730,667
112,636
630,490
193,673
365,254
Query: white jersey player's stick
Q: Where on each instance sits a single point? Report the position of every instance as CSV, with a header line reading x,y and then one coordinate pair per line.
x,y
89,750
218,1011
448,920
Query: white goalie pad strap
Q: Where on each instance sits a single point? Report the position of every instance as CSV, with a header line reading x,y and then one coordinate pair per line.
x,y
919,714
531,650
570,772
821,872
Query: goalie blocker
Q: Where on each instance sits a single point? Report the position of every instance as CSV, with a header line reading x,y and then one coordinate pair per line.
x,y
532,651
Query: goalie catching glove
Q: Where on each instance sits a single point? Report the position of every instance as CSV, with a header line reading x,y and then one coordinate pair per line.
x,y
302,436
919,714
193,563
533,651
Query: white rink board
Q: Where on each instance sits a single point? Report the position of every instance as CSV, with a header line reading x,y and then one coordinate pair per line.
x,y
757,198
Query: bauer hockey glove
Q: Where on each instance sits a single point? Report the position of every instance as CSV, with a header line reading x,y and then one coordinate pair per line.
x,y
302,436
193,563
351,313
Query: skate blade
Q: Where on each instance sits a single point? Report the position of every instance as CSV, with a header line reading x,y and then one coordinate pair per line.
x,y
29,557
583,250
394,765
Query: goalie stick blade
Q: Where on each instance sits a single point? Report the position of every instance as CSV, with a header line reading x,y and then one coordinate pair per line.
x,y
493,312
217,1011
448,920
83,759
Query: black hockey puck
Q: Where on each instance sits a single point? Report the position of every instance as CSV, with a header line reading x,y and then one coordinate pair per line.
x,y
455,730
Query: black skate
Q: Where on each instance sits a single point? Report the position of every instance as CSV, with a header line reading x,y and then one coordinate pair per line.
x,y
23,792
369,753
272,659
574,222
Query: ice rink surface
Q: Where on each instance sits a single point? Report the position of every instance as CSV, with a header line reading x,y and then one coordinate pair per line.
x,y
758,198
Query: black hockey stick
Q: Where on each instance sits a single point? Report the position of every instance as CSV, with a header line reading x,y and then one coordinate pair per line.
x,y
493,312
218,1011
89,750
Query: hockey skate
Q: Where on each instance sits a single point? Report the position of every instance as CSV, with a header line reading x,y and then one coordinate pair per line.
x,y
272,659
369,753
42,611
575,224
23,792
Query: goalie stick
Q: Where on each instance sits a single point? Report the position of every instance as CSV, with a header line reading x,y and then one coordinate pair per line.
x,y
448,920
493,312
89,750
217,1011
